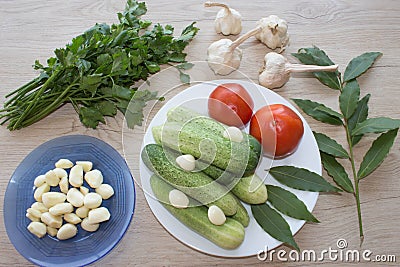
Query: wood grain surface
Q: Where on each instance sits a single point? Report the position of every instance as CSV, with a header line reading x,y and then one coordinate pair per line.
x,y
32,29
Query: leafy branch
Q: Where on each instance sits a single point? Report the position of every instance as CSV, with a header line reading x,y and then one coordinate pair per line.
x,y
353,117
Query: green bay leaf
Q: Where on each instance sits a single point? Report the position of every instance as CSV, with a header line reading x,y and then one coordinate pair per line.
x,y
288,203
377,153
330,146
330,111
337,172
376,125
359,65
348,98
273,223
359,115
302,179
313,109
316,56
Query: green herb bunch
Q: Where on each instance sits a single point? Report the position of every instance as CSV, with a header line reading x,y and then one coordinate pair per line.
x,y
96,70
353,117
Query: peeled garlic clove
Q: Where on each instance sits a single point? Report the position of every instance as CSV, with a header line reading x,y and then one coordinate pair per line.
x,y
92,200
89,227
49,199
34,212
51,231
52,178
75,197
64,185
98,215
234,134
76,176
186,162
274,32
216,215
105,191
39,181
51,220
82,212
86,165
40,191
37,228
178,199
94,178
64,164
67,231
61,208
72,218
60,172
84,190
39,206
32,218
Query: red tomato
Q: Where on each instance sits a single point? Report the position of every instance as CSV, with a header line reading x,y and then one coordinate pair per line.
x,y
278,128
230,104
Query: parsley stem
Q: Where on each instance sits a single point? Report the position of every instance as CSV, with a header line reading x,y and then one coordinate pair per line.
x,y
50,108
31,105
22,91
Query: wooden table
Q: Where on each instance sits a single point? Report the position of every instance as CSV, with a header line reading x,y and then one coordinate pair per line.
x,y
32,29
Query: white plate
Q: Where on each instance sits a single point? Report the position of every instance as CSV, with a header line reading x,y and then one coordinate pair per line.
x,y
306,156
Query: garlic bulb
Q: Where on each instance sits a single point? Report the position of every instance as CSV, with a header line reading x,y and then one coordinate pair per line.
x,y
274,33
228,20
277,69
224,56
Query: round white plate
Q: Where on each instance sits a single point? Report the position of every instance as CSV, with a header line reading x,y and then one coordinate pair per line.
x,y
307,156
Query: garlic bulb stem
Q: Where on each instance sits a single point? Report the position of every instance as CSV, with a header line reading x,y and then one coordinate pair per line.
x,y
309,68
212,4
244,37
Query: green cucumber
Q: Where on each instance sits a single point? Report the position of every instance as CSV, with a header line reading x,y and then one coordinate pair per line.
x,y
249,189
208,146
228,236
223,177
182,114
241,215
195,184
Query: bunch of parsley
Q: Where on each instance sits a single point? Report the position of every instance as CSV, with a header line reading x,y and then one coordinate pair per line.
x,y
96,71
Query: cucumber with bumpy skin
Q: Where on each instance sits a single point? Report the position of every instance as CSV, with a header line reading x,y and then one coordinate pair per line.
x,y
228,236
183,114
195,184
241,215
210,147
249,189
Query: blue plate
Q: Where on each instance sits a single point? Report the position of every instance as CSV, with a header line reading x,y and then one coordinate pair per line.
x,y
85,247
